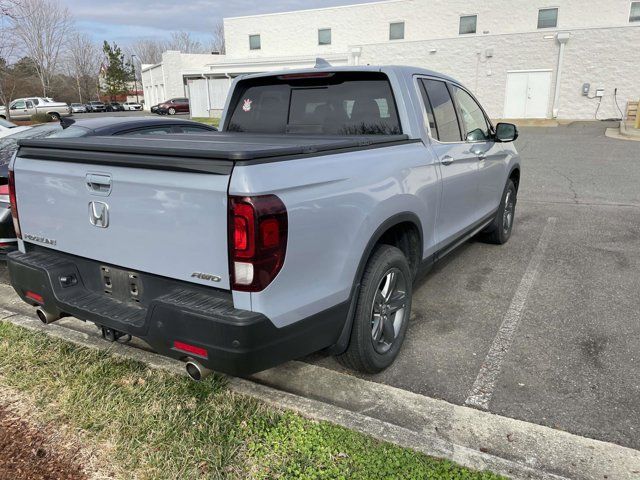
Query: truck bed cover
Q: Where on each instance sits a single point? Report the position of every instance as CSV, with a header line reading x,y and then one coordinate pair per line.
x,y
208,153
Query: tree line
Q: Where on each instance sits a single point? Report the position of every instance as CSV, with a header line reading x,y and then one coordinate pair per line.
x,y
43,54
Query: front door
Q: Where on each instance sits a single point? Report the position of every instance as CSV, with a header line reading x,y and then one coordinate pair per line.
x,y
527,94
490,155
458,165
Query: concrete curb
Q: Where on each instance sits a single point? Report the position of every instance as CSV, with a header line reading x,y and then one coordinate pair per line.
x,y
472,438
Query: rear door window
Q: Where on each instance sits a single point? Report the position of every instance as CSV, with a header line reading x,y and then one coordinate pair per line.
x,y
444,112
353,103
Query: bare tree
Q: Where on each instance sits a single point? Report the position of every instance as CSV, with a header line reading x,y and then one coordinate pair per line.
x,y
8,80
183,42
147,50
42,27
7,8
83,63
217,40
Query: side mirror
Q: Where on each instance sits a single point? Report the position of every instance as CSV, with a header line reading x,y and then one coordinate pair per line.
x,y
506,132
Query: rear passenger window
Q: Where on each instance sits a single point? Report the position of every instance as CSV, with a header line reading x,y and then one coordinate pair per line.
x,y
444,113
475,123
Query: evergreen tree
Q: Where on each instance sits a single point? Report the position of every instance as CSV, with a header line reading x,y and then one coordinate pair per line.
x,y
117,73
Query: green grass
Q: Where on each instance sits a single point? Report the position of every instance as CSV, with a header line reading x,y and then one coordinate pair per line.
x,y
209,121
161,425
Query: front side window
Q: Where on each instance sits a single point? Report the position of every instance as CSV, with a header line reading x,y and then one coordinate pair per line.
x,y
634,16
332,104
444,113
468,24
20,104
476,128
396,31
548,18
254,42
324,36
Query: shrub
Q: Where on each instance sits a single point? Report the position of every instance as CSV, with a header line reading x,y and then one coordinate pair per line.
x,y
41,118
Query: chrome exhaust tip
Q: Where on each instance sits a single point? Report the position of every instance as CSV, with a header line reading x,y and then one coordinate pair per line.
x,y
196,370
46,317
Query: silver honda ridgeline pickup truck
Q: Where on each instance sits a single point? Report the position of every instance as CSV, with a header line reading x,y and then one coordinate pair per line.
x,y
300,226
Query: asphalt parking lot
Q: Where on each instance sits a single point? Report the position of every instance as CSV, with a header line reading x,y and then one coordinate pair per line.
x,y
570,359
547,327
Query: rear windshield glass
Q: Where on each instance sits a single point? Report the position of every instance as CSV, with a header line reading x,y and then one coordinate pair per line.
x,y
354,103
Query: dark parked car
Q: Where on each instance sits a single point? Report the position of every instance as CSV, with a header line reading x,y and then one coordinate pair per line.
x,y
173,106
68,128
114,107
96,106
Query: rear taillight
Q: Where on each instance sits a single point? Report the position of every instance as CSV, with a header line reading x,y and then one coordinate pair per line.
x,y
4,195
14,204
258,228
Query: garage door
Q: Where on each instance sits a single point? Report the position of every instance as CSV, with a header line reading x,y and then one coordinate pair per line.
x,y
527,94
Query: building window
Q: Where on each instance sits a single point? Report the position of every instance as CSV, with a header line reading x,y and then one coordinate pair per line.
x,y
548,18
634,16
324,36
254,42
396,31
468,24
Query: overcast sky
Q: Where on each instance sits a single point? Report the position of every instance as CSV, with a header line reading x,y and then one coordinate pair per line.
x,y
126,20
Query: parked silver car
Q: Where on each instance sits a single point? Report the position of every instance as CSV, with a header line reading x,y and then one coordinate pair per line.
x,y
78,108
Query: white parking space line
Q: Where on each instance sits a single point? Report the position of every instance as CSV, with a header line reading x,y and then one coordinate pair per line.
x,y
482,390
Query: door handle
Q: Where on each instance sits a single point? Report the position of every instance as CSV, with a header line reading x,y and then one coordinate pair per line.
x,y
99,184
479,152
446,160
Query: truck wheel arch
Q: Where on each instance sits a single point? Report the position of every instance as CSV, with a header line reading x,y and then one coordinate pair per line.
x,y
396,223
514,175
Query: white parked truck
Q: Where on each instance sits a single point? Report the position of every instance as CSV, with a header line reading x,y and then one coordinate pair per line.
x,y
24,108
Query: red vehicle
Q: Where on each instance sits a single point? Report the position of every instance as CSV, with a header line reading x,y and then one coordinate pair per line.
x,y
173,106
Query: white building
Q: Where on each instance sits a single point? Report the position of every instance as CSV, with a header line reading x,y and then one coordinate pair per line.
x,y
571,59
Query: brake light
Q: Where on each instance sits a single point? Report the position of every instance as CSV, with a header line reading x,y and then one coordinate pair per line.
x,y
14,204
300,76
258,229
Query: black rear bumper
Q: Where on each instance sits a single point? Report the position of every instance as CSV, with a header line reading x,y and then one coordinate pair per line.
x,y
237,342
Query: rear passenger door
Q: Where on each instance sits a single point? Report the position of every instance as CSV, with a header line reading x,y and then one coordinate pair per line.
x,y
458,166
478,134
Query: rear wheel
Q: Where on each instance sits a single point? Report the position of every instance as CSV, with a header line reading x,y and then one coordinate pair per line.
x,y
500,230
382,312
172,111
55,116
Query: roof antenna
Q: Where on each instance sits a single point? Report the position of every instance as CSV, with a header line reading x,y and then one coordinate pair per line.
x,y
321,63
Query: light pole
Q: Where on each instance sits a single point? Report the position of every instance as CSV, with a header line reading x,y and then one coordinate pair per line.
x,y
135,78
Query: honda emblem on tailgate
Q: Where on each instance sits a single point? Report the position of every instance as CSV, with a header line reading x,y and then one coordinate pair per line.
x,y
99,214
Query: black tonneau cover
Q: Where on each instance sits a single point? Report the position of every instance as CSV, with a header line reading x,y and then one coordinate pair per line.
x,y
208,153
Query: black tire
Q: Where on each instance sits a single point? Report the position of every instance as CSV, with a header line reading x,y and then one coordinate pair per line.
x,y
172,111
500,230
365,353
55,116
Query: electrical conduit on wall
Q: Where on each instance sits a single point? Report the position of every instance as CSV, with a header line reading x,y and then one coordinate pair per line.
x,y
562,38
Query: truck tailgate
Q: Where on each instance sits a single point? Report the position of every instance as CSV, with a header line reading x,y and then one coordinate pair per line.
x,y
163,222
